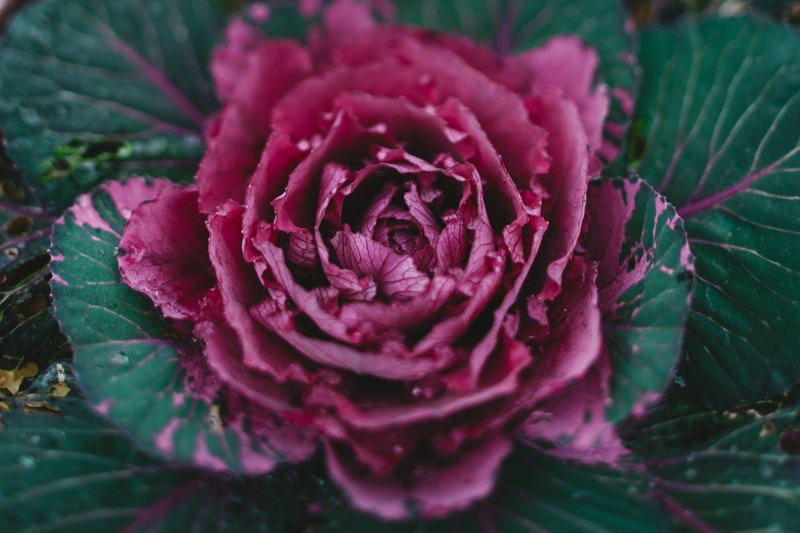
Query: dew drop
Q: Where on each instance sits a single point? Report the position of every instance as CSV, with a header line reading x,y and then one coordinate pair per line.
x,y
120,359
30,117
767,429
158,145
423,393
191,143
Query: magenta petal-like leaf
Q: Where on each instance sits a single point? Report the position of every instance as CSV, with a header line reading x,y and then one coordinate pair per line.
x,y
435,489
238,138
565,183
240,290
164,253
575,341
567,63
396,276
575,419
230,60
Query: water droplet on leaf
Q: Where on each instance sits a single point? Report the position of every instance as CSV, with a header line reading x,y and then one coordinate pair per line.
x,y
30,117
120,359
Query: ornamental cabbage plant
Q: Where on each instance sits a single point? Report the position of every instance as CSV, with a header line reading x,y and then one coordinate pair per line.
x,y
389,249
387,262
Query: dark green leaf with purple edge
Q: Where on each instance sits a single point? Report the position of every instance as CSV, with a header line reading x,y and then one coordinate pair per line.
x,y
736,470
716,131
127,357
97,88
74,471
645,286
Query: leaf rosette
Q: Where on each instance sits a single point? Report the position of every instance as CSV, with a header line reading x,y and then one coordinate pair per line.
x,y
393,249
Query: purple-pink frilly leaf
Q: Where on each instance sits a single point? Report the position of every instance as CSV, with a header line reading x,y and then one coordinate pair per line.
x,y
252,77
164,253
567,63
435,490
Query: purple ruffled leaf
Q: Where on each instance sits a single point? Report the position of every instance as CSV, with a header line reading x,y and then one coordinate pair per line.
x,y
164,252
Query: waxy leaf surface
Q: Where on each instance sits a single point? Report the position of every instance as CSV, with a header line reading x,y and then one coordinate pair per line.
x,y
645,287
95,88
716,132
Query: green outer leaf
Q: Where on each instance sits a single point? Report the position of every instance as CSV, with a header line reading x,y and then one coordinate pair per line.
x,y
737,470
519,25
75,472
124,356
717,132
646,287
536,492
106,70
